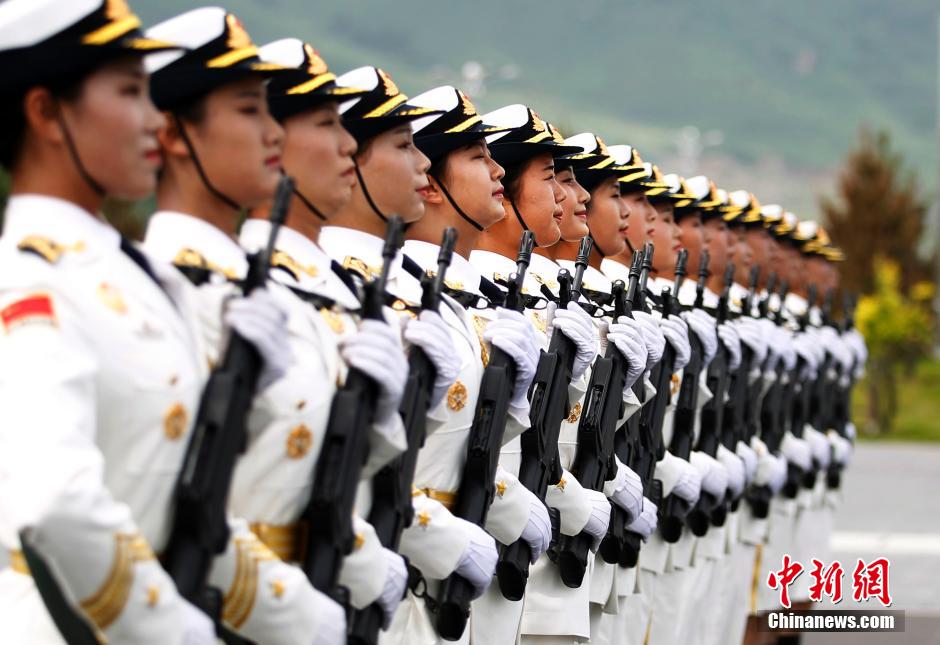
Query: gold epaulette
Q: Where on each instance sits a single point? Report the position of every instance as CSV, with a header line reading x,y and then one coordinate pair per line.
x,y
188,257
282,260
47,249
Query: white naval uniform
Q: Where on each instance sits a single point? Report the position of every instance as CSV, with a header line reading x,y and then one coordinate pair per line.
x,y
436,540
272,479
553,613
102,373
299,264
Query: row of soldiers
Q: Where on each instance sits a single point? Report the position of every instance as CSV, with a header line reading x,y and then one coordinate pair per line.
x,y
384,370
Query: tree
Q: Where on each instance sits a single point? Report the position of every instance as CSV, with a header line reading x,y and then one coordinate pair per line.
x,y
879,210
898,333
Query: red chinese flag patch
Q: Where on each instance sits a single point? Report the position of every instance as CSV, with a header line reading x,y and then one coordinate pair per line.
x,y
36,308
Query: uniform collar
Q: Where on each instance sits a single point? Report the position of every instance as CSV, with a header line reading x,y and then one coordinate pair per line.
x,y
615,270
171,235
461,274
491,264
58,220
593,279
311,267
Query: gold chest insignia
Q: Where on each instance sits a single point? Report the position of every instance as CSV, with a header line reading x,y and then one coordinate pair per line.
x,y
299,442
575,413
153,596
175,421
548,282
359,540
674,387
500,488
277,588
364,270
457,396
333,320
111,297
424,518
282,259
561,484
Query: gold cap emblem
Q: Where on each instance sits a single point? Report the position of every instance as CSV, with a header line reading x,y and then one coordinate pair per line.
x,y
237,36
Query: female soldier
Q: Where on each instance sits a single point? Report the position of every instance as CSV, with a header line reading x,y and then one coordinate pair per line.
x,y
527,149
392,179
465,192
222,154
103,365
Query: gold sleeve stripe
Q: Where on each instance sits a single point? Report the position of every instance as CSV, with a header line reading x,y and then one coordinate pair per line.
x,y
240,599
108,602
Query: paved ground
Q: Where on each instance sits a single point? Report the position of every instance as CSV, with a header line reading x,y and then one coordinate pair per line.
x,y
892,508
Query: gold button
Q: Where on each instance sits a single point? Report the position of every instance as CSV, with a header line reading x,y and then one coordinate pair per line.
x,y
359,541
424,518
500,488
561,484
457,396
301,404
299,442
153,595
174,380
277,588
175,421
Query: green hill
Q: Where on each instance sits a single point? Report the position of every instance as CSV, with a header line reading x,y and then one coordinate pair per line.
x,y
788,84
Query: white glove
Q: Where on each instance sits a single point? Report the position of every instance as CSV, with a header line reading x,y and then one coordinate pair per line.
x,y
705,328
478,562
538,530
396,579
774,350
197,627
751,335
766,473
626,491
841,448
831,340
429,332
734,466
748,458
819,446
332,629
784,344
797,451
627,336
851,432
856,343
577,325
689,486
732,341
652,336
805,346
515,335
647,521
676,332
260,319
376,351
713,475
599,521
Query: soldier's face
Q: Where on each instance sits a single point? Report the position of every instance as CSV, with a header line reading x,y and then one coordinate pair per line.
x,y
472,178
758,241
539,198
239,143
743,258
665,239
692,238
608,217
318,154
715,236
395,172
574,208
639,208
114,126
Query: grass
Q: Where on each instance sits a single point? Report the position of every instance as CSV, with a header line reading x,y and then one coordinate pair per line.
x,y
918,406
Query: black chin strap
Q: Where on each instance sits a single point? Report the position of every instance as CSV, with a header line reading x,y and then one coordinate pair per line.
x,y
597,247
456,207
365,191
630,245
202,173
525,227
306,202
76,159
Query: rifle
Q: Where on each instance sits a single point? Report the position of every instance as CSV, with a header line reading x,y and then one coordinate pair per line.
x,y
477,487
613,545
329,512
636,445
674,509
764,307
595,461
199,529
392,510
799,408
703,274
709,508
549,407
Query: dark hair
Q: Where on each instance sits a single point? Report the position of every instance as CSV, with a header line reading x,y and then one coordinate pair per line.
x,y
512,180
14,120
